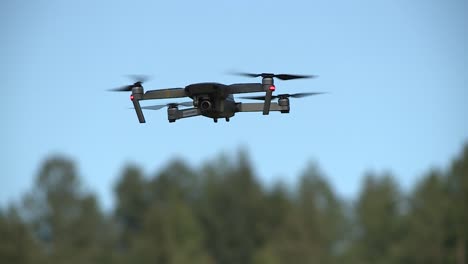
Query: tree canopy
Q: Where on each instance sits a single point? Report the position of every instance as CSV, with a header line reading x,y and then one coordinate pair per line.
x,y
221,213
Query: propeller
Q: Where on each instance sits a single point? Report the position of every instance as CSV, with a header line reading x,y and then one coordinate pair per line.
x,y
139,77
267,83
138,81
296,95
157,107
281,76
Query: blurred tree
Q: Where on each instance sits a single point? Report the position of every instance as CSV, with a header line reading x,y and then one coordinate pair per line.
x,y
279,206
323,213
267,254
16,243
170,234
175,181
221,214
66,220
131,205
309,231
427,221
163,228
231,210
379,223
458,194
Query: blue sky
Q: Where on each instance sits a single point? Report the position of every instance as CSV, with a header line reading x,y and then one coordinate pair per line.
x,y
396,73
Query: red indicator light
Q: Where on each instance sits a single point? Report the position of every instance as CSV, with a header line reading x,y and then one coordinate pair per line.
x,y
272,88
131,97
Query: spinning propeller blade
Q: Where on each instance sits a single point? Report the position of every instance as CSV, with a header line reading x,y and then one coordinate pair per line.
x,y
138,81
281,76
139,77
158,107
296,95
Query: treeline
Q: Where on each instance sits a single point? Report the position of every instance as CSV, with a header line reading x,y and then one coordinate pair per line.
x,y
220,213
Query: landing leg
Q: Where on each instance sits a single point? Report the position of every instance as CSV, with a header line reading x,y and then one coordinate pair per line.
x,y
215,120
227,119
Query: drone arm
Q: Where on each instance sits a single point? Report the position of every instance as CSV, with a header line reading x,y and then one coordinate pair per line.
x,y
258,107
139,112
137,95
164,93
173,113
245,88
267,103
266,86
189,112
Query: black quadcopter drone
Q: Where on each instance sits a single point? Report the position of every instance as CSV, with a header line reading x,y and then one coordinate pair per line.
x,y
215,100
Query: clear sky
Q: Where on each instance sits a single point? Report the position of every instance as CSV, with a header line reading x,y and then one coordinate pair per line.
x,y
396,73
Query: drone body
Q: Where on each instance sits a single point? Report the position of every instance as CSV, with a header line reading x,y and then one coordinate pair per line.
x,y
215,100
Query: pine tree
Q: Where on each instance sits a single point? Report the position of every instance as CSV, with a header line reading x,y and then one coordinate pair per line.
x,y
427,221
379,223
63,217
458,195
16,242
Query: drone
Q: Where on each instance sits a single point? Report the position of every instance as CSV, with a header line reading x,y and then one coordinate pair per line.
x,y
215,100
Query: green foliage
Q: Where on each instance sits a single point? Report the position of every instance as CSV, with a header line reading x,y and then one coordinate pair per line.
x,y
231,211
427,220
16,242
65,220
306,228
379,222
220,213
170,234
458,196
131,205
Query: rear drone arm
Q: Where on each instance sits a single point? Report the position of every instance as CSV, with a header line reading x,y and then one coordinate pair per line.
x,y
173,113
258,107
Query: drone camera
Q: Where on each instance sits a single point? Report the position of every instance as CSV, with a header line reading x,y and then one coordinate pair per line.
x,y
205,105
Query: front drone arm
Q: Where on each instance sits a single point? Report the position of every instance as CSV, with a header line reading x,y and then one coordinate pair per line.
x,y
266,86
164,93
137,95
